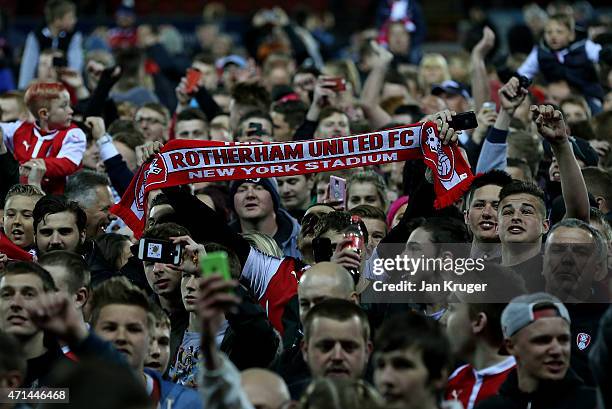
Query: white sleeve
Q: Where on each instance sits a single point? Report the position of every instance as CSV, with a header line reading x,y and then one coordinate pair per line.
x,y
73,146
592,50
259,270
530,66
221,388
8,130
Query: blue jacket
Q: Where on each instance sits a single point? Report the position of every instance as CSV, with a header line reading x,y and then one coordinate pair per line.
x,y
173,396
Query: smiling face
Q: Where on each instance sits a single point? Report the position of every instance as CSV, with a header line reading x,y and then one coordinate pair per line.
x,y
336,348
18,219
571,264
99,216
521,219
481,217
60,111
125,326
253,202
401,377
542,349
16,291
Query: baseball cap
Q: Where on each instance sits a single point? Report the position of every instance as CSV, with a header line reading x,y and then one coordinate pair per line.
x,y
451,87
231,59
525,309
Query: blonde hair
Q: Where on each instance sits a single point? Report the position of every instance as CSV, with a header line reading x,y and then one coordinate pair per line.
x,y
263,243
431,59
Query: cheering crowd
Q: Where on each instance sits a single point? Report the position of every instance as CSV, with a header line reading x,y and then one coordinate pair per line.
x,y
310,307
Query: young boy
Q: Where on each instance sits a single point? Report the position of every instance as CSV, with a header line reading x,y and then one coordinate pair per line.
x,y
58,34
53,142
560,57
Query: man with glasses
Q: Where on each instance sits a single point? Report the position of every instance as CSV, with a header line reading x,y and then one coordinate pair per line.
x,y
152,120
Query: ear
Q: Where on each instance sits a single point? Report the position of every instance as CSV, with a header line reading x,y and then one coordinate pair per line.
x,y
466,214
602,269
304,349
545,226
510,347
43,113
82,236
479,324
354,298
309,183
82,295
446,254
601,203
370,348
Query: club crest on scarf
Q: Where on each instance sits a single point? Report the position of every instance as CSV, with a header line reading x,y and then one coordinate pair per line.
x,y
143,180
442,157
583,340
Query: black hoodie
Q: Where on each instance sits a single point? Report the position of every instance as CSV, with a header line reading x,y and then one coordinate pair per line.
x,y
568,393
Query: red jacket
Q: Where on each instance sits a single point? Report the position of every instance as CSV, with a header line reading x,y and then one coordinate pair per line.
x,y
61,149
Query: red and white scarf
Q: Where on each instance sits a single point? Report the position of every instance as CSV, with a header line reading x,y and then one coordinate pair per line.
x,y
186,161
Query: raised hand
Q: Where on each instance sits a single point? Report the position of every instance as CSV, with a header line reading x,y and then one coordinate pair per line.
x,y
550,123
147,151
511,95
486,43
97,126
191,252
446,134
56,313
383,56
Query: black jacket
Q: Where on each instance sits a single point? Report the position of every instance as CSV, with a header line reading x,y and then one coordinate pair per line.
x,y
568,393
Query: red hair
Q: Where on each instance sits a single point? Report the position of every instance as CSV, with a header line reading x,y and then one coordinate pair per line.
x,y
41,94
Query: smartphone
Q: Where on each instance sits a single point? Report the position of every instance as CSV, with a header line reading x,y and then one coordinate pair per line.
x,y
322,249
337,189
193,80
215,263
60,62
463,121
489,106
256,129
524,82
159,251
339,84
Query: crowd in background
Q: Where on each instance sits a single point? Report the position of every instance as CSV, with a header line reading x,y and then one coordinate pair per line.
x,y
299,324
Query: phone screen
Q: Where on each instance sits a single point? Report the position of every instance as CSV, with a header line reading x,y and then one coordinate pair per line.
x,y
159,251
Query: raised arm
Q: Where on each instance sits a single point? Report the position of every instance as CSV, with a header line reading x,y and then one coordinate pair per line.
x,y
478,74
552,127
373,85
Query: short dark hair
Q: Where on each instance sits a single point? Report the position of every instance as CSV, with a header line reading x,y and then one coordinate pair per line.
x,y
12,357
294,112
160,199
253,95
52,204
521,164
29,267
413,330
131,139
493,177
255,113
329,111
163,231
81,186
518,187
190,114
122,125
119,290
79,274
111,247
337,221
159,108
339,310
368,212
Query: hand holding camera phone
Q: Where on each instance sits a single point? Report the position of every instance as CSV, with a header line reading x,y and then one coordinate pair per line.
x,y
337,190
215,263
160,251
463,121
